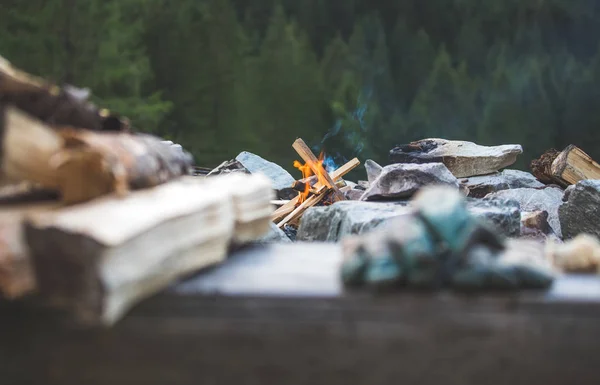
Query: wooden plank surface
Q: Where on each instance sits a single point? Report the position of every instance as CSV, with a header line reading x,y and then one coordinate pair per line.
x,y
276,314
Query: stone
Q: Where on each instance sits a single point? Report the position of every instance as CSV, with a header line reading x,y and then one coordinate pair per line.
x,y
249,163
534,225
290,231
354,194
480,186
334,222
581,211
280,178
530,199
463,159
228,166
373,170
400,181
504,215
442,245
362,185
337,221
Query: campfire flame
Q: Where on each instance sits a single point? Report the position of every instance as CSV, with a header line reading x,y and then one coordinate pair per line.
x,y
308,172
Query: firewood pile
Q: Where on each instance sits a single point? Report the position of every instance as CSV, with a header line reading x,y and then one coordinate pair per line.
x,y
94,216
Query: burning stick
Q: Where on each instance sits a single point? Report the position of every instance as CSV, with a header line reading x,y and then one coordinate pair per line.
x,y
289,212
311,160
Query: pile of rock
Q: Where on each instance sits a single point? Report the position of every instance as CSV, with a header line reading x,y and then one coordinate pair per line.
x,y
514,202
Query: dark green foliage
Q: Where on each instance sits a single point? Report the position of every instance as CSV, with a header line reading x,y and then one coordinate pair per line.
x,y
351,77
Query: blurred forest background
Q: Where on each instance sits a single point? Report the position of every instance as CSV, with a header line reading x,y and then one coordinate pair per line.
x,y
352,77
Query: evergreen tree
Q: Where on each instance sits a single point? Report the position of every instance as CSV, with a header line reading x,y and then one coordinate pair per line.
x,y
288,89
412,57
445,104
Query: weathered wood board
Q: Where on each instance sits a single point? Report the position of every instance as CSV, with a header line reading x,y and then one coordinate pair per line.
x,y
278,315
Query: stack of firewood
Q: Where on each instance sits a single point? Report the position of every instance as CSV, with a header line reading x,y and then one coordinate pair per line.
x,y
95,217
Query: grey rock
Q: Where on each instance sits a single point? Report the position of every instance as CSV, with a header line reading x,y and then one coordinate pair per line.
x,y
534,224
581,212
280,178
567,192
290,231
398,181
354,194
362,185
531,199
227,167
463,159
480,186
350,183
502,214
334,222
373,170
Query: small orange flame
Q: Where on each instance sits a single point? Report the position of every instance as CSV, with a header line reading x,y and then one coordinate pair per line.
x,y
307,171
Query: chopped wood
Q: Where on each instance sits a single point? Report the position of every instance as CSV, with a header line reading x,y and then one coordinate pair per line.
x,y
279,202
54,105
345,168
285,209
83,164
300,186
311,160
97,259
295,214
16,270
573,165
27,145
566,167
541,168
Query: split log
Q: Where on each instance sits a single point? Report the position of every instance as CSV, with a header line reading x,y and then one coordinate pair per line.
x,y
297,213
16,270
84,164
573,165
54,105
99,258
566,167
541,168
311,160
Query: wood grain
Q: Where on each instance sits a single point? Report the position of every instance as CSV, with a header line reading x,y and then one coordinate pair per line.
x,y
573,165
277,315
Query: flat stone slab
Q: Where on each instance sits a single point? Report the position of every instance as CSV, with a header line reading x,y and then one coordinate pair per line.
x,y
401,181
480,186
280,178
463,159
